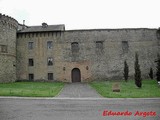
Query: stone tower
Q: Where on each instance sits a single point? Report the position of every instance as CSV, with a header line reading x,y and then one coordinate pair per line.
x,y
8,30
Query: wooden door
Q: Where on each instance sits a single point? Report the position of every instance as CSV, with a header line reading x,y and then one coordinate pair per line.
x,y
76,75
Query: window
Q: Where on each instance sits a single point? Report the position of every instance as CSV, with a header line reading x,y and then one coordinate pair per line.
x,y
99,44
158,33
75,51
49,44
31,77
30,45
99,47
50,76
3,48
30,62
75,47
125,46
50,61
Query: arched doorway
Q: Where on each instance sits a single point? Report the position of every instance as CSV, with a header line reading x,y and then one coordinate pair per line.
x,y
76,75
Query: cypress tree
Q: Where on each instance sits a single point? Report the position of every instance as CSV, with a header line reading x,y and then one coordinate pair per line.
x,y
151,73
138,79
126,71
158,68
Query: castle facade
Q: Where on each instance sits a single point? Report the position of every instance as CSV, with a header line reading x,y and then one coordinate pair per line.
x,y
49,52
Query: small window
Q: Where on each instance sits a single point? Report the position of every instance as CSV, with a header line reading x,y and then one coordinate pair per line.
x,y
50,76
158,34
30,62
49,44
99,47
99,44
50,61
4,48
31,77
75,47
125,46
30,45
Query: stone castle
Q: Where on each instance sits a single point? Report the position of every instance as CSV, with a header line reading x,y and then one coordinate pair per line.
x,y
49,52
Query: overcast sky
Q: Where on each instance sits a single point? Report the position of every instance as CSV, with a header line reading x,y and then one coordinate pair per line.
x,y
85,14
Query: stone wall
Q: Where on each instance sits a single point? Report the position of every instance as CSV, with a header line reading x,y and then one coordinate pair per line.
x,y
8,29
101,63
110,62
39,53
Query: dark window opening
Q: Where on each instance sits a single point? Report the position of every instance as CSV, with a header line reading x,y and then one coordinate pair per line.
x,y
50,76
125,46
75,47
31,77
158,34
49,44
99,47
30,45
30,62
99,44
4,48
50,61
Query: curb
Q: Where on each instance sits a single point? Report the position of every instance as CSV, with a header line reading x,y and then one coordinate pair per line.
x,y
67,98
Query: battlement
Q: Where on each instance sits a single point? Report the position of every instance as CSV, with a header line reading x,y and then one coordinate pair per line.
x,y
7,20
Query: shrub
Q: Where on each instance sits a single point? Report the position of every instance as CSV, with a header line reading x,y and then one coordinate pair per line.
x,y
138,79
126,71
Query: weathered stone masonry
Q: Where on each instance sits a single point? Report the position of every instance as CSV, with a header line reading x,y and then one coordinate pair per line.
x,y
49,52
8,30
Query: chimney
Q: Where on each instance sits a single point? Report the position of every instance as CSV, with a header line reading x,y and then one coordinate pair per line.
x,y
44,25
23,22
23,26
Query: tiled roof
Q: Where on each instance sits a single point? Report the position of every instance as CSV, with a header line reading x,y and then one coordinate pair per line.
x,y
43,28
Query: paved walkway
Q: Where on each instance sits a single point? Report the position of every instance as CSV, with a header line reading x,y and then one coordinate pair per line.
x,y
78,90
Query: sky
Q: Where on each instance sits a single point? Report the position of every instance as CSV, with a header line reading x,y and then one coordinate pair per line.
x,y
85,14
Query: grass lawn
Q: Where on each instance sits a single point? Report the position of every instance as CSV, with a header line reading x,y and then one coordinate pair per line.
x,y
149,89
31,89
